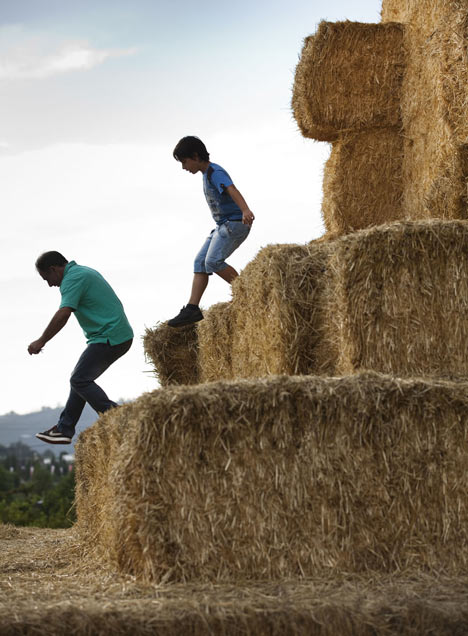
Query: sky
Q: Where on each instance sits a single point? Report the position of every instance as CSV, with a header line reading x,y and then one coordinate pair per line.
x,y
94,95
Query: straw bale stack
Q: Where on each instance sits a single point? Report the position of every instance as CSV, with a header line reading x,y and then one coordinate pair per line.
x,y
174,353
348,78
398,299
215,343
279,314
273,325
434,101
283,477
362,183
414,86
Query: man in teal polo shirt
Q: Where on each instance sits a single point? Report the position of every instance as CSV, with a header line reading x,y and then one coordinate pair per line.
x,y
108,333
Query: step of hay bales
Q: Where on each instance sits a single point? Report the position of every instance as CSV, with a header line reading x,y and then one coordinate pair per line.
x,y
173,353
349,78
215,335
363,182
278,307
273,325
279,478
398,299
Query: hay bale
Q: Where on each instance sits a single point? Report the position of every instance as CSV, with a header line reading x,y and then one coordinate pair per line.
x,y
287,477
434,98
278,318
93,489
215,343
174,353
363,181
398,299
348,78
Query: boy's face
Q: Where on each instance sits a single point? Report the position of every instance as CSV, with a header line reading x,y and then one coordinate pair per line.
x,y
192,164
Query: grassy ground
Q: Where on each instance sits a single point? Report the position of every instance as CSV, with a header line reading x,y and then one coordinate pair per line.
x,y
46,587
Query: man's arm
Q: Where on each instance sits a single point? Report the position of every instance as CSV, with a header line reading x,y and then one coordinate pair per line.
x,y
59,320
236,196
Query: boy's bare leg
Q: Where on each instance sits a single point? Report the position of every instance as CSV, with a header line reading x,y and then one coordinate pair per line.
x,y
200,281
228,274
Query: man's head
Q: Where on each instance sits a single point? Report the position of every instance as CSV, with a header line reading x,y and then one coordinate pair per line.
x,y
192,154
51,266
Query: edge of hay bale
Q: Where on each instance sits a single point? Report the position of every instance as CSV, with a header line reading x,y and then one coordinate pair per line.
x,y
398,299
278,314
348,78
288,477
173,353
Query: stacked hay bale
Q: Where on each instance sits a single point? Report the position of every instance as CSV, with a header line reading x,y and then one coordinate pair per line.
x,y
434,97
391,98
392,298
296,475
398,299
347,90
174,353
280,478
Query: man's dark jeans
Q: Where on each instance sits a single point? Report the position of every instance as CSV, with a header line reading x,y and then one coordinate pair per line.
x,y
94,360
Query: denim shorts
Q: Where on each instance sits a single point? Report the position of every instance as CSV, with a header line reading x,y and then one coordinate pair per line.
x,y
220,244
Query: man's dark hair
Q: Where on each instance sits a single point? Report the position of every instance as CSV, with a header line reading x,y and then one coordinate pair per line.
x,y
190,146
49,259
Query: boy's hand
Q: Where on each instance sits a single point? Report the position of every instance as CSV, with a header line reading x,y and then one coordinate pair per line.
x,y
247,217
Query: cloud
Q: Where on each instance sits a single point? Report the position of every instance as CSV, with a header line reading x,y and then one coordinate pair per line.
x,y
25,55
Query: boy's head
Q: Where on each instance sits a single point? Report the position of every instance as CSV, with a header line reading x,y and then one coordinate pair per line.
x,y
191,148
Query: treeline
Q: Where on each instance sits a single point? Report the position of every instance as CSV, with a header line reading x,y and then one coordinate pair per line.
x,y
36,489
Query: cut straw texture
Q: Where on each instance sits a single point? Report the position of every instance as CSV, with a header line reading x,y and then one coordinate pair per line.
x,y
434,105
278,313
348,78
398,299
363,181
280,478
173,353
215,335
274,325
46,589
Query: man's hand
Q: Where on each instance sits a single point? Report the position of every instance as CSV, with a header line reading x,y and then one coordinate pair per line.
x,y
59,320
36,346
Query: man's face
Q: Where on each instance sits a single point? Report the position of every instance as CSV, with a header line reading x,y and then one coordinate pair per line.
x,y
53,276
192,164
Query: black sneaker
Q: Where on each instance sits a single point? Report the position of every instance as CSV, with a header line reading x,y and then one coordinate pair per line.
x,y
186,316
53,436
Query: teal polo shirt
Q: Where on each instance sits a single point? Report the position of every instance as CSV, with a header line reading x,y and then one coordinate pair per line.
x,y
95,304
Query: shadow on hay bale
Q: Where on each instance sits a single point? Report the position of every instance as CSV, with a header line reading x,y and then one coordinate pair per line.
x,y
279,478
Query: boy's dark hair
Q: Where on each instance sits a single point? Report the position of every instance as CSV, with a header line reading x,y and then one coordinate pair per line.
x,y
190,146
49,259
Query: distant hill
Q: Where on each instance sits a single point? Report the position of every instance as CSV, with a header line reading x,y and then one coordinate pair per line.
x,y
22,428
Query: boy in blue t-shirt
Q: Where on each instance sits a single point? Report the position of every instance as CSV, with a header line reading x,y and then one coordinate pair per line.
x,y
233,222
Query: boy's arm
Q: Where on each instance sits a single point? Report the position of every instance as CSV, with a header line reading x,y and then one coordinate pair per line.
x,y
59,320
236,196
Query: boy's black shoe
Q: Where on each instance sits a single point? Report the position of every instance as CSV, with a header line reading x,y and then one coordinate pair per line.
x,y
53,436
186,316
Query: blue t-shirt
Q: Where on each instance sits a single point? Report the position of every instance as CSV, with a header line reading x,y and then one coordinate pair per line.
x,y
223,208
95,305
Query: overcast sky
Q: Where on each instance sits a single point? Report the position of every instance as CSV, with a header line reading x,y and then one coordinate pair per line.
x,y
94,95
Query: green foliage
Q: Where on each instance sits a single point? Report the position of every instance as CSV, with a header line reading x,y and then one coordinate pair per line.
x,y
35,490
